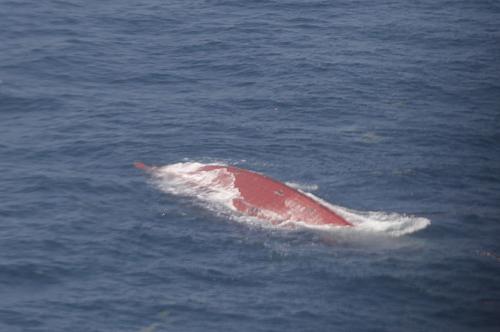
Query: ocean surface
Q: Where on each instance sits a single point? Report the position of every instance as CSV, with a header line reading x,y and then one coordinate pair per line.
x,y
386,110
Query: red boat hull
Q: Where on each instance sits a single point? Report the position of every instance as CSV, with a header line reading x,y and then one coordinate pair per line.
x,y
268,199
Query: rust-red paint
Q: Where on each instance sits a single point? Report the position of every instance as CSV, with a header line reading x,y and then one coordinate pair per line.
x,y
259,192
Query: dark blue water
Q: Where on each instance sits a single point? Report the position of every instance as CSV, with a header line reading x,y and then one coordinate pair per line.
x,y
389,106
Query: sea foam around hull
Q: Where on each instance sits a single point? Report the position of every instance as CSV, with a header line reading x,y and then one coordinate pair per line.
x,y
215,191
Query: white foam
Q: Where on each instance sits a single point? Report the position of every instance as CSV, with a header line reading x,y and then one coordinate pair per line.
x,y
303,186
215,187
215,190
390,223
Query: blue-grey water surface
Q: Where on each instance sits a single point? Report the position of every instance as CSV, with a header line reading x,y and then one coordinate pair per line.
x,y
384,105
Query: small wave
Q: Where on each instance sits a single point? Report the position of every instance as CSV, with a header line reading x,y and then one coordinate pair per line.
x,y
303,186
215,191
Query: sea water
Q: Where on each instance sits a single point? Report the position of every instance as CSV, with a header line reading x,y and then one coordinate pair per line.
x,y
387,111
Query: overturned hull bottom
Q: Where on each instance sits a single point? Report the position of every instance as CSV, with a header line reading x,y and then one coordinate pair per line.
x,y
249,193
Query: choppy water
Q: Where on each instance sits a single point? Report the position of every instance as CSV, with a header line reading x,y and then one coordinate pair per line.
x,y
388,106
